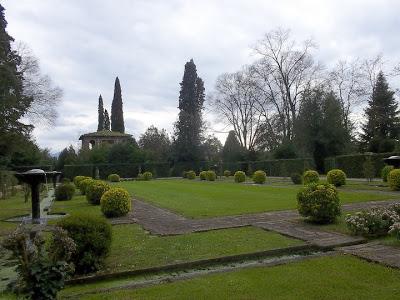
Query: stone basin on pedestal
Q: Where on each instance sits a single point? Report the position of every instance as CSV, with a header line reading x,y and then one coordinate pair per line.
x,y
393,161
34,178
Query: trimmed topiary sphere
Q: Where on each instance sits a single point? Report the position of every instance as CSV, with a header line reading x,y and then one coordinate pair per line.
x,y
147,176
227,173
394,179
310,176
210,175
114,178
78,179
296,178
203,175
191,174
239,176
83,185
65,191
259,177
92,236
95,190
336,177
385,172
184,173
319,202
115,202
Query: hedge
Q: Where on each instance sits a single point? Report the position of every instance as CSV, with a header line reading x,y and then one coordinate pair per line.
x,y
352,164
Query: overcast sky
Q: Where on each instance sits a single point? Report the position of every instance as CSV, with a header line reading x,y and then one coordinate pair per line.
x,y
84,44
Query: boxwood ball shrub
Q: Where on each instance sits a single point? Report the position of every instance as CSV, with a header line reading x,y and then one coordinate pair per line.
x,y
203,175
184,174
385,172
115,202
78,179
147,176
95,190
239,176
259,177
83,185
114,178
92,236
191,174
319,202
296,178
394,179
310,176
65,191
211,175
336,177
227,173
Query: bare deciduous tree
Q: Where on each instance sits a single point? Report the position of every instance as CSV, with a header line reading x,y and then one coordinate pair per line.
x,y
40,87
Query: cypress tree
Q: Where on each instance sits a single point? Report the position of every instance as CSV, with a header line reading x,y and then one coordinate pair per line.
x,y
106,120
188,128
382,125
232,150
100,125
117,114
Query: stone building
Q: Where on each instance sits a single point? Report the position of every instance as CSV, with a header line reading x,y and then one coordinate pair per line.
x,y
89,140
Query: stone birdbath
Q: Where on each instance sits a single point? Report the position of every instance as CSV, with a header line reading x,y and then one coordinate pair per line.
x,y
34,178
393,161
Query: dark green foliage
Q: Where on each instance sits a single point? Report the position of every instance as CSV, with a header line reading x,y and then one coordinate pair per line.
x,y
212,148
286,150
100,119
188,128
113,178
385,172
203,175
95,190
320,126
66,180
115,203
394,179
210,175
127,152
191,174
65,191
41,270
296,178
66,157
382,115
227,173
92,236
310,176
336,177
232,150
107,124
117,113
319,202
259,177
155,144
368,168
240,176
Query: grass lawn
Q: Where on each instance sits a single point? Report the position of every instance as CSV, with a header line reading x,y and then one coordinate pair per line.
x,y
12,207
134,248
198,199
77,204
339,277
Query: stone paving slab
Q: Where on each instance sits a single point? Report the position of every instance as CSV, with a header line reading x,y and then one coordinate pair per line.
x,y
373,251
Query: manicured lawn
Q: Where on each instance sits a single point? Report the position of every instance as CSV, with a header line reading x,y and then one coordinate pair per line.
x,y
12,207
198,199
133,248
339,277
77,204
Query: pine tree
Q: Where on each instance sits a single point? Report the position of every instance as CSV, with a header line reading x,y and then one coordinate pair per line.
x,y
188,128
13,104
232,150
382,114
117,114
106,120
100,125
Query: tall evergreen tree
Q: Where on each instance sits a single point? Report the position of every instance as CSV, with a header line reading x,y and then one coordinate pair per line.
x,y
100,125
13,104
117,113
188,128
232,150
106,120
382,113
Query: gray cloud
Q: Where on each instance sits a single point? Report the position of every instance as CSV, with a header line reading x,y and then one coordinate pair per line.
x,y
83,45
